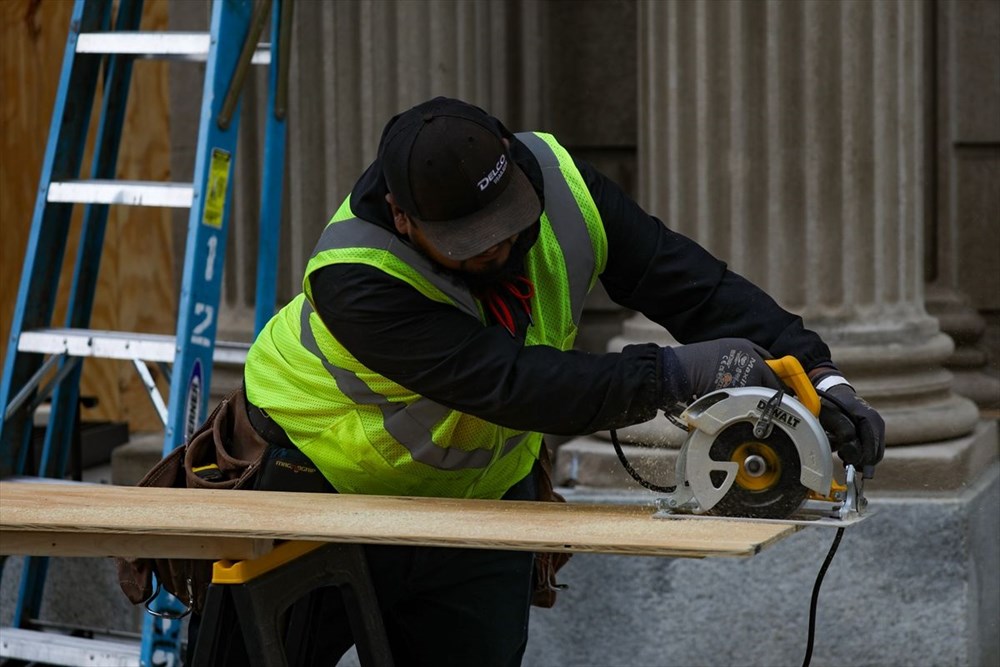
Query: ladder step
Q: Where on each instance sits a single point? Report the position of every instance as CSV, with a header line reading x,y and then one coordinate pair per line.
x,y
120,345
58,649
191,46
128,193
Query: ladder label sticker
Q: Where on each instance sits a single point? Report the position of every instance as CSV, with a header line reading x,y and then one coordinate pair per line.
x,y
192,404
215,190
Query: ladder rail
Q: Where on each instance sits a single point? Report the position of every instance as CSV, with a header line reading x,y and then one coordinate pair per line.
x,y
272,185
50,223
151,389
64,415
83,288
187,357
66,366
201,284
197,319
29,387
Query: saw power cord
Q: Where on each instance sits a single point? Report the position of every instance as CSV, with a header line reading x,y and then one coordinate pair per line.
x,y
815,595
813,602
632,471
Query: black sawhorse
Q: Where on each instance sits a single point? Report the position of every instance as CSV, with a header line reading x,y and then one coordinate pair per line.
x,y
253,596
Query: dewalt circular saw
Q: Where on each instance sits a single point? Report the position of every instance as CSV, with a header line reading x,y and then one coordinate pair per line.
x,y
760,453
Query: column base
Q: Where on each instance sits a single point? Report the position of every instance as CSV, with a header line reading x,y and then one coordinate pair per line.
x,y
968,363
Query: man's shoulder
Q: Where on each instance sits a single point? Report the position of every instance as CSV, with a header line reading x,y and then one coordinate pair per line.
x,y
356,283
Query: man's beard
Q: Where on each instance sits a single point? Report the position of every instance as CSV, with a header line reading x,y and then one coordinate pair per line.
x,y
487,281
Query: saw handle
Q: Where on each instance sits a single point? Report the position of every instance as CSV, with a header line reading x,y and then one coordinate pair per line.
x,y
790,371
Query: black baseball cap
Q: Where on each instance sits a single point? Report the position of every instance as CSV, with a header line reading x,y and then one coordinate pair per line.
x,y
446,166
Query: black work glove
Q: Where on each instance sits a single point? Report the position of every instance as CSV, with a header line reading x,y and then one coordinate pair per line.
x,y
691,371
856,431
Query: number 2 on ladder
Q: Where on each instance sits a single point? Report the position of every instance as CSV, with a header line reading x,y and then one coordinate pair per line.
x,y
208,314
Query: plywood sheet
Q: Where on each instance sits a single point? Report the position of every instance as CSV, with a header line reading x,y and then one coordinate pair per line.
x,y
79,544
32,38
118,519
136,287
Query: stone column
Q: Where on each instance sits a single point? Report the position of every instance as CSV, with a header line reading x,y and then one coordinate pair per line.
x,y
963,235
791,139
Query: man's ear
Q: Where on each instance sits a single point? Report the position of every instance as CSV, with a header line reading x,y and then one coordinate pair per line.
x,y
399,217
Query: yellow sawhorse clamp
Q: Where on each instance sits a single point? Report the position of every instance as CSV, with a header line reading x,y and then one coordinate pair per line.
x,y
254,598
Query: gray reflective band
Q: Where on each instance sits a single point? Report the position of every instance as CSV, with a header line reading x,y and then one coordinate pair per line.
x,y
567,222
409,424
355,233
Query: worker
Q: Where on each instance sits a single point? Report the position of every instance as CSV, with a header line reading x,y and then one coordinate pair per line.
x,y
432,346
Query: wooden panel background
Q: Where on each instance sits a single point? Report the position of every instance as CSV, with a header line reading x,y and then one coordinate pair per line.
x,y
136,289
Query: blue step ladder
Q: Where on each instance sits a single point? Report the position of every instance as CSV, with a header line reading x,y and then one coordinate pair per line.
x,y
43,362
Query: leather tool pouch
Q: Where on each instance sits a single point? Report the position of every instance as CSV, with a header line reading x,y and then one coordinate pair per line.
x,y
225,453
547,564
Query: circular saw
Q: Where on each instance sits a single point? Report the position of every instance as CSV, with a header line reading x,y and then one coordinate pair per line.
x,y
761,453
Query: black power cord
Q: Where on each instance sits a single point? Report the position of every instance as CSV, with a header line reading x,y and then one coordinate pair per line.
x,y
813,603
815,595
632,471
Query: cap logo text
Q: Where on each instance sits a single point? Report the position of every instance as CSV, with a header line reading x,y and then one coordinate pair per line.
x,y
495,174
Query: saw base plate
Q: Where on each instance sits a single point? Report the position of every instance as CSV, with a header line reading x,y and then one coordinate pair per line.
x,y
800,519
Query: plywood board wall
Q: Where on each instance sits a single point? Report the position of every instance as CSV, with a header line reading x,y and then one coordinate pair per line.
x,y
136,283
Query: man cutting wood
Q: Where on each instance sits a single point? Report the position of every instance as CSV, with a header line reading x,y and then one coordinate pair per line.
x,y
431,347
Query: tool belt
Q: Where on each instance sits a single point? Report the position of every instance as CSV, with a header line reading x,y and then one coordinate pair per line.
x,y
240,447
225,453
547,564
266,427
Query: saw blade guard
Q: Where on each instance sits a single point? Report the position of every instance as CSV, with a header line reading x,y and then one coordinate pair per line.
x,y
710,415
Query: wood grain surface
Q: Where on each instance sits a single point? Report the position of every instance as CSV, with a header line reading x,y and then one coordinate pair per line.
x,y
81,519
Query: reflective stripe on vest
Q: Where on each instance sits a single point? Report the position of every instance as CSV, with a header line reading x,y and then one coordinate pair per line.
x,y
404,422
355,233
567,223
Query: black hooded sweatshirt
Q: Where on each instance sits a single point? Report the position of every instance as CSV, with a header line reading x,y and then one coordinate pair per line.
x,y
439,352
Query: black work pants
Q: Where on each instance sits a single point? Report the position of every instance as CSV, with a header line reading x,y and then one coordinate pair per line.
x,y
440,606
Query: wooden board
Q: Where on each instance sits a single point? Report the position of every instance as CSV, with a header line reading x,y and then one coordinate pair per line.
x,y
79,543
79,519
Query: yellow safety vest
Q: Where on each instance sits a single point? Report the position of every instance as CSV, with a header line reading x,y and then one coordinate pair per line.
x,y
368,434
